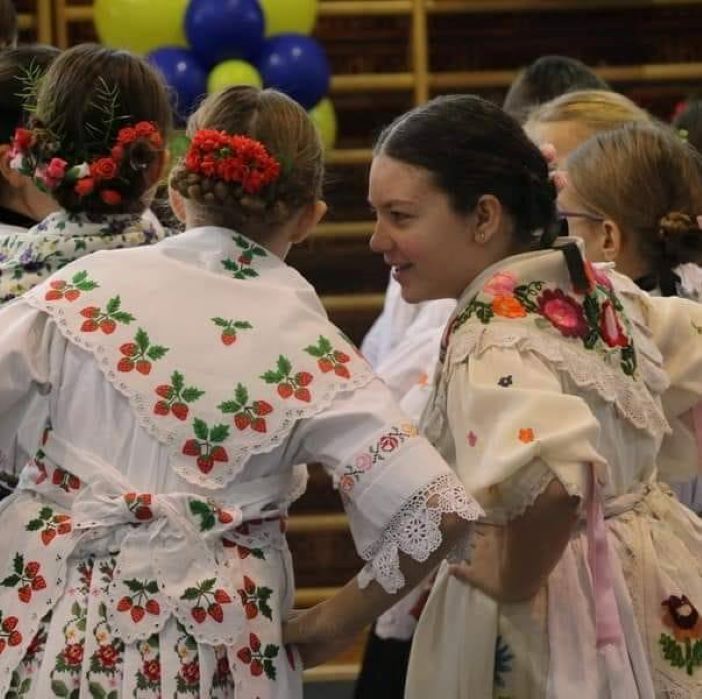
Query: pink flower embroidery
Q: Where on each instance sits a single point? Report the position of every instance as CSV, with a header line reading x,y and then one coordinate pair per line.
x,y
346,483
610,329
472,438
563,312
363,462
501,284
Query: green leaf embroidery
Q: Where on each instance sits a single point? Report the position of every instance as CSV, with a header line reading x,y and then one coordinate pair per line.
x,y
284,365
191,394
10,580
219,433
272,377
177,381
242,325
156,352
152,587
18,563
207,585
113,304
241,394
34,525
190,593
229,406
45,513
134,585
59,688
220,322
200,428
142,339
96,691
123,317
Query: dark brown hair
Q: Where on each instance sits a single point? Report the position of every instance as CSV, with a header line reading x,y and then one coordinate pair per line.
x,y
88,94
8,24
288,134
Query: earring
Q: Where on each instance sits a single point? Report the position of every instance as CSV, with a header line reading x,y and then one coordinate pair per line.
x,y
480,237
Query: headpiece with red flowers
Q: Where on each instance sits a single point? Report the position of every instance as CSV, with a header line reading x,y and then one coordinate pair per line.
x,y
233,159
105,175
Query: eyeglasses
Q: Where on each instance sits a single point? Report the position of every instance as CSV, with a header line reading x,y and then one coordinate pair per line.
x,y
563,217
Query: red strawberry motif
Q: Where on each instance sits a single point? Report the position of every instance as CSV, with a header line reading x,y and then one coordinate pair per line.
x,y
57,476
73,482
164,390
341,370
258,424
32,568
161,408
251,610
125,365
90,312
61,518
205,463
129,349
228,338
261,407
215,611
58,284
143,366
325,365
199,614
285,390
72,294
191,448
15,638
124,604
303,378
129,498
10,623
242,421
222,596
180,410
341,357
137,614
219,454
108,326
153,607
38,583
47,536
249,585
303,394
53,295
64,528
89,326
225,518
254,642
256,668
3,644
244,654
143,513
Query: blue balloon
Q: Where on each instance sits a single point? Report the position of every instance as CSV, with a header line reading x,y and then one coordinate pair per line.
x,y
183,74
296,65
219,30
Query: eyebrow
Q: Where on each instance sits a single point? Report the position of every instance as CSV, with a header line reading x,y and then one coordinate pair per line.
x,y
393,202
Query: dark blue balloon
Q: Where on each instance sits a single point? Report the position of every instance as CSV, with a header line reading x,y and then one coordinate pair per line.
x,y
184,75
296,65
222,29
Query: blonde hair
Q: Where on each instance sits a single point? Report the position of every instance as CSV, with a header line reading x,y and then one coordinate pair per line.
x,y
287,132
597,110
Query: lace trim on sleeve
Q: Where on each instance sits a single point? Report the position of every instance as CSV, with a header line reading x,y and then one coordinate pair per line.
x,y
415,531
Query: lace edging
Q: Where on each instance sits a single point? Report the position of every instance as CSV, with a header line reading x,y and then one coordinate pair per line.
x,y
415,531
631,398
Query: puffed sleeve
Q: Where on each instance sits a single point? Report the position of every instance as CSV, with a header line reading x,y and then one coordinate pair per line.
x,y
394,485
515,430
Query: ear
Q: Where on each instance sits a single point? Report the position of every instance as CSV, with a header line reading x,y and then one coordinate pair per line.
x,y
611,240
308,218
177,204
13,178
488,215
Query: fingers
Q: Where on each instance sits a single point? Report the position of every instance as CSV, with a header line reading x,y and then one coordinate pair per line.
x,y
461,571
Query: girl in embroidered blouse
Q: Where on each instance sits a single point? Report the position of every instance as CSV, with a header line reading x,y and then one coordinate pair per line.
x,y
184,383
548,406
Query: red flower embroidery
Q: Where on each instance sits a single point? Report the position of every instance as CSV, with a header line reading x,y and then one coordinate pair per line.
x,y
108,655
610,329
152,670
190,672
73,654
564,313
682,618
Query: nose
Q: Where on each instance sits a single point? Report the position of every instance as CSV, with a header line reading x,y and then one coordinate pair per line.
x,y
380,241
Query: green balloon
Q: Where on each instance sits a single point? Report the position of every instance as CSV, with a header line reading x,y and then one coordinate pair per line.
x,y
233,72
324,116
141,25
284,16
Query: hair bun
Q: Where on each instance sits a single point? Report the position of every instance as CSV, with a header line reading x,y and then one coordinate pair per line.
x,y
681,237
675,223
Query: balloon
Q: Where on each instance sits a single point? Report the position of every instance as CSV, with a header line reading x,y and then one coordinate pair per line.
x,y
233,73
184,74
324,116
222,29
296,65
284,16
140,25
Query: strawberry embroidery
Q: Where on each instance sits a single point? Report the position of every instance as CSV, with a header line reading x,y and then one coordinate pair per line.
x,y
254,599
229,329
65,480
209,514
140,354
175,397
207,600
139,505
50,525
207,447
258,659
246,414
26,577
241,267
106,321
289,384
59,289
140,602
9,633
329,359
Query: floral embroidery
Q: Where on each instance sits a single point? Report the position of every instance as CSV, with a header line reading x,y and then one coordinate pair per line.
x,y
204,594
139,504
243,551
259,660
10,635
684,648
64,480
140,354
222,678
503,661
241,268
188,677
329,359
472,438
26,576
209,514
526,435
139,603
245,414
594,318
50,525
106,321
60,289
207,448
148,677
289,384
175,397
229,329
376,453
254,599
505,381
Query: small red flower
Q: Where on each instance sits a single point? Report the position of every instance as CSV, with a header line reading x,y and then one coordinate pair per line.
x,y
111,197
84,186
73,654
108,655
152,670
104,169
190,672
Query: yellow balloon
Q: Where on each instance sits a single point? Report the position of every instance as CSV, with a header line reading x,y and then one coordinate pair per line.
x,y
141,25
283,16
233,73
324,116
